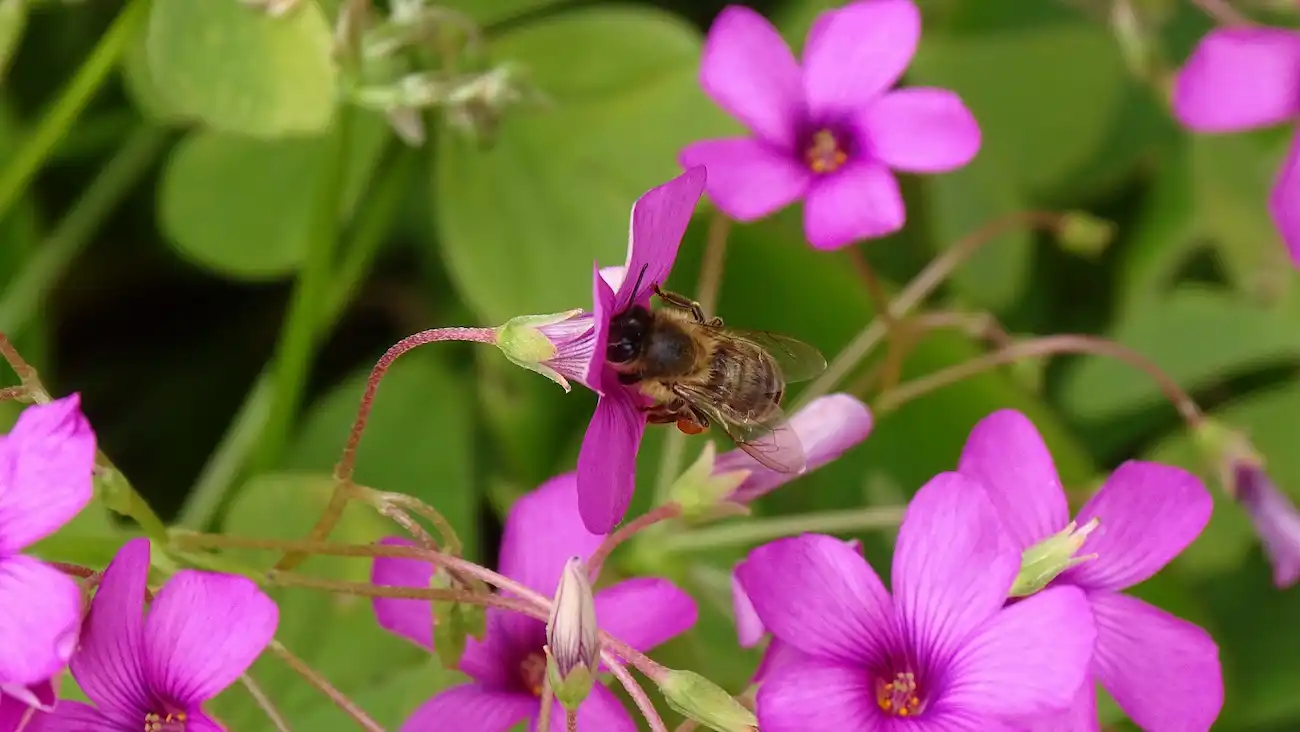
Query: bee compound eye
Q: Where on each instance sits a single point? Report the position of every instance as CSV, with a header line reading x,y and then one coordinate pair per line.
x,y
620,352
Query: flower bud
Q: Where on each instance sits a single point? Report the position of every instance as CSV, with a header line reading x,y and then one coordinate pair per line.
x,y
701,489
1085,234
697,698
1046,560
572,637
557,346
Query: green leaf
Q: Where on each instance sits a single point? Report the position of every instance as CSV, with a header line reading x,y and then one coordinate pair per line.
x,y
1025,86
1194,335
450,632
1164,235
487,12
522,222
336,635
1231,178
13,19
242,206
418,440
240,70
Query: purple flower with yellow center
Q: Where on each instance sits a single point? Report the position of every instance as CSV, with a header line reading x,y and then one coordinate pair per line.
x,y
606,474
942,653
1163,671
832,132
154,672
46,465
1242,79
1275,519
541,534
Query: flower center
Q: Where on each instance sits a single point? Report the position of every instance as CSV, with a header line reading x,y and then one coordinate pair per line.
x,y
532,671
900,697
171,722
825,153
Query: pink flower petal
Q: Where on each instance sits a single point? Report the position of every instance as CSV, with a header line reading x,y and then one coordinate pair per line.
x,y
1276,520
1163,671
826,428
45,472
1031,659
1239,79
542,531
750,72
777,655
859,53
1149,513
859,201
645,612
40,614
749,627
819,696
748,178
1284,200
599,712
953,564
472,707
1005,453
109,663
820,596
607,459
40,695
510,638
1080,716
921,130
411,619
71,716
203,630
603,283
659,220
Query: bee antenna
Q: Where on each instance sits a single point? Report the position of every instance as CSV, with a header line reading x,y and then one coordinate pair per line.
x,y
637,286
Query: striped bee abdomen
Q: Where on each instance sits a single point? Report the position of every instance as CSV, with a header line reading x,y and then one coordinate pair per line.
x,y
749,377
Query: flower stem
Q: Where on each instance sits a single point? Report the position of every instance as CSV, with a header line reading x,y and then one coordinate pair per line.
x,y
341,701
627,531
450,542
638,695
297,337
755,531
706,294
264,702
548,701
1048,345
981,326
570,721
56,122
1223,13
374,220
24,296
343,471
934,274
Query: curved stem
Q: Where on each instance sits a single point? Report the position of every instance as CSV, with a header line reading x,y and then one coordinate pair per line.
x,y
1222,12
662,513
548,702
341,701
24,296
56,122
917,290
638,695
760,530
374,219
264,703
1048,345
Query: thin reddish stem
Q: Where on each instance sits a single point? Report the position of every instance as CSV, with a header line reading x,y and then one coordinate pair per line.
x,y
638,695
323,685
660,513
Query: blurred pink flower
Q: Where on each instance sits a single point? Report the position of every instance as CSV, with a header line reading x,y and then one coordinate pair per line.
x,y
832,131
1242,79
46,465
1275,519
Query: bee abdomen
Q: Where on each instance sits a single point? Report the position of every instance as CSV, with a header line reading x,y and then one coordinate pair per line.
x,y
750,377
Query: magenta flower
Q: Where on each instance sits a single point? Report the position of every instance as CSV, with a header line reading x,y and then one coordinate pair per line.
x,y
1163,671
1242,79
557,346
826,428
541,533
46,463
943,653
19,703
202,631
607,461
1275,518
832,132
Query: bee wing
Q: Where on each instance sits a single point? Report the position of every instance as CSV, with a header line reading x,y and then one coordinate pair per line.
x,y
771,441
798,360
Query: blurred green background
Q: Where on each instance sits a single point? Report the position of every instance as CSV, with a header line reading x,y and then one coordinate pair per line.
x,y
212,214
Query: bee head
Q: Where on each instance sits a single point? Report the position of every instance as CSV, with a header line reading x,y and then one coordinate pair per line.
x,y
627,334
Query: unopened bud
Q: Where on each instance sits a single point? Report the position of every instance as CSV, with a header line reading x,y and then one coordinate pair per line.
x,y
1085,234
572,637
699,490
1046,560
697,698
558,346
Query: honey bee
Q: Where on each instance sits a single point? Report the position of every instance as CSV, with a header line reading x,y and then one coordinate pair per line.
x,y
698,372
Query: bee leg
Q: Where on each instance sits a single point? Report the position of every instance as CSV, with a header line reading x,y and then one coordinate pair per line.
x,y
659,414
684,303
